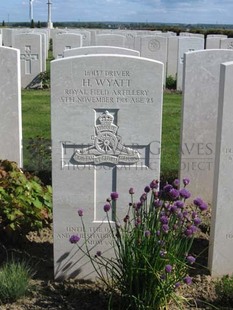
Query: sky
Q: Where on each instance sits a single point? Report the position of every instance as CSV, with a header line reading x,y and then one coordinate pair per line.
x,y
161,11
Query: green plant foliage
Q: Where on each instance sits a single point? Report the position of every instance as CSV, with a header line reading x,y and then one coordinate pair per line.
x,y
14,281
170,82
224,290
25,204
39,152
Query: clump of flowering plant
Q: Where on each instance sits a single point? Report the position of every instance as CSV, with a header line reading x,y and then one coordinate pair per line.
x,y
152,246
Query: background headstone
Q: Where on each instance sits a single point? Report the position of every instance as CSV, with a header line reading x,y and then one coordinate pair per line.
x,y
106,132
100,50
186,44
30,46
154,47
226,43
110,40
221,232
213,41
199,119
172,56
10,106
65,41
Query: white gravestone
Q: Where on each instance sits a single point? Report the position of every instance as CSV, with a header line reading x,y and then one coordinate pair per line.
x,y
213,41
106,132
199,119
100,50
186,44
221,232
226,43
154,47
172,56
65,41
10,106
30,46
110,40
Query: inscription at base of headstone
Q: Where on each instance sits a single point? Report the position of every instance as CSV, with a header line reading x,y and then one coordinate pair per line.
x,y
106,132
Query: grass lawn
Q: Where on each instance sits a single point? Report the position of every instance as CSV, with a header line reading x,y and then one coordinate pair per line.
x,y
36,123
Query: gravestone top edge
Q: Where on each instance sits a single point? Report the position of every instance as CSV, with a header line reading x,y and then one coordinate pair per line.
x,y
107,56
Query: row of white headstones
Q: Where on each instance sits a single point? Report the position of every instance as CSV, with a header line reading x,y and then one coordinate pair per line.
x,y
167,48
106,112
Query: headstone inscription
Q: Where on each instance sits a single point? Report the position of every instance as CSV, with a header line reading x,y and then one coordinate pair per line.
x,y
106,131
199,119
221,232
10,106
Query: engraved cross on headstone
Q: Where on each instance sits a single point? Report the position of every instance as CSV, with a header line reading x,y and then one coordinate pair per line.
x,y
107,156
28,57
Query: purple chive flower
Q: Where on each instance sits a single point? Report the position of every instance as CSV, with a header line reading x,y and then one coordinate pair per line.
x,y
80,212
126,218
114,195
157,203
198,201
185,193
174,193
147,233
154,184
186,181
194,215
173,209
168,268
131,191
164,219
107,207
165,228
74,239
176,182
190,259
147,189
163,277
180,215
179,204
158,233
188,280
193,228
188,232
143,198
197,221
203,206
138,206
167,188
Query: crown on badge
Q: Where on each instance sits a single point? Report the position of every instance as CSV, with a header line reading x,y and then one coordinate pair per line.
x,y
106,118
106,123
